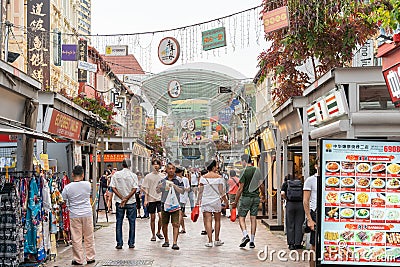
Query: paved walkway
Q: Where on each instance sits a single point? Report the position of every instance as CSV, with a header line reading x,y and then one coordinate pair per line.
x,y
192,250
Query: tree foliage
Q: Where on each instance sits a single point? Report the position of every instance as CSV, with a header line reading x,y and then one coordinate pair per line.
x,y
321,36
153,138
386,13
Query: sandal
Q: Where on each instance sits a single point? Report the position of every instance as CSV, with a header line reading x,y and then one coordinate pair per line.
x,y
160,236
175,246
165,245
153,238
182,232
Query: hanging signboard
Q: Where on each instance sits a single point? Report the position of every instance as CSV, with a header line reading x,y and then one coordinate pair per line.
x,y
174,89
38,45
68,52
214,38
276,19
82,56
137,119
168,50
392,79
111,157
83,65
116,50
58,123
364,56
358,203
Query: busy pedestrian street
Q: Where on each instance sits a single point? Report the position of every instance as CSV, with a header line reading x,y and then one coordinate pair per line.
x,y
192,250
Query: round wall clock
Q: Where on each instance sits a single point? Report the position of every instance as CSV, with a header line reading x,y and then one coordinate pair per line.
x,y
174,89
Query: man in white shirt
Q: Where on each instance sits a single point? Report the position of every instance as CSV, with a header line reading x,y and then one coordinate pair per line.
x,y
310,207
124,184
77,196
152,199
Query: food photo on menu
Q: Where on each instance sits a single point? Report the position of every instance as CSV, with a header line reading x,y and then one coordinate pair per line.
x,y
331,213
393,168
378,167
378,199
363,182
363,167
332,181
332,166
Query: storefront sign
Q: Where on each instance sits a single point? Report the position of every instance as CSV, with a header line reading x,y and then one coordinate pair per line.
x,y
174,89
254,148
38,45
268,139
111,157
83,65
44,162
214,38
392,79
359,203
327,107
137,118
150,123
168,50
364,56
68,52
276,19
62,124
82,56
116,50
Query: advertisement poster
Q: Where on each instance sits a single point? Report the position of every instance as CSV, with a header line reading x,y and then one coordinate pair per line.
x,y
359,218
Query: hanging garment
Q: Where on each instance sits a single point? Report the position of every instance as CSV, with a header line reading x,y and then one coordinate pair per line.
x,y
32,218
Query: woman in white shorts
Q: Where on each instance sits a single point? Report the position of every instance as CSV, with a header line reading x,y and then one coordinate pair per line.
x,y
211,192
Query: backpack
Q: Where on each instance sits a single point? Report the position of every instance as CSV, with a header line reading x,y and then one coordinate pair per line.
x,y
294,190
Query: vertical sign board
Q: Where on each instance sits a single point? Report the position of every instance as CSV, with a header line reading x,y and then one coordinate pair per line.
x,y
82,56
358,203
38,22
392,78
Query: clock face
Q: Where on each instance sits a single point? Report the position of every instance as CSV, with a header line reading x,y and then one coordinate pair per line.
x,y
174,89
191,125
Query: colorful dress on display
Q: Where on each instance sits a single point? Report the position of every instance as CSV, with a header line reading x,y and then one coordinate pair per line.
x,y
65,211
32,218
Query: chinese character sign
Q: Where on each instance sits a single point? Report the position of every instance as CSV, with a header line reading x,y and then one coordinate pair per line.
x,y
38,21
82,56
214,38
168,50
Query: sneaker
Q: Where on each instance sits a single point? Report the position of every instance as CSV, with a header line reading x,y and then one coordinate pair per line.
x,y
118,247
292,247
298,246
91,261
131,246
244,242
209,244
252,245
218,243
74,262
175,247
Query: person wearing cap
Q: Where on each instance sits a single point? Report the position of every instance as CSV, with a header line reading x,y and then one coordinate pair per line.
x,y
125,184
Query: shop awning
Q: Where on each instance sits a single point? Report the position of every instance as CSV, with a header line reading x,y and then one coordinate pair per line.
x,y
14,129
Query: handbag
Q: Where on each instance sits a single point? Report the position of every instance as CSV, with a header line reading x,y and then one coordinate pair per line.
x,y
233,215
195,213
171,202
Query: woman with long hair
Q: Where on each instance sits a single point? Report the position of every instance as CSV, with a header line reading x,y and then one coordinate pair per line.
x,y
211,193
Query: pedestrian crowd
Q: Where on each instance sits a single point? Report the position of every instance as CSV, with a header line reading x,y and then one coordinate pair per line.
x,y
163,197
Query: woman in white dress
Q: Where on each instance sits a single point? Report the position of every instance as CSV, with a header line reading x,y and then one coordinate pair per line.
x,y
211,192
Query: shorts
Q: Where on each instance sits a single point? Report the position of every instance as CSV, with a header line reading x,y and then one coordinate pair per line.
x,y
247,204
312,233
165,217
153,207
110,189
182,206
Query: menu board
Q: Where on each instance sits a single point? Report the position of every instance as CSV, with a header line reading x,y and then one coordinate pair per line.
x,y
359,218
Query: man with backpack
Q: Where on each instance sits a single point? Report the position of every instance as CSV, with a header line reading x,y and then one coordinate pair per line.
x,y
292,191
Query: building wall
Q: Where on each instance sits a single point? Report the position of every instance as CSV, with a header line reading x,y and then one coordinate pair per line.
x,y
84,17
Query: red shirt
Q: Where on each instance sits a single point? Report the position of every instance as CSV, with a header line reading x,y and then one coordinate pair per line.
x,y
233,183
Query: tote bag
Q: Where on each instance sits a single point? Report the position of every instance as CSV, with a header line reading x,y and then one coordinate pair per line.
x,y
171,203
